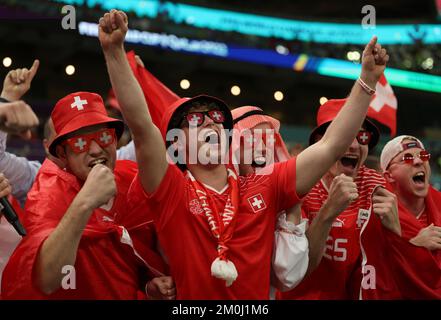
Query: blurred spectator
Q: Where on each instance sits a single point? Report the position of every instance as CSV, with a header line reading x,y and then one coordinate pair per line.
x,y
373,162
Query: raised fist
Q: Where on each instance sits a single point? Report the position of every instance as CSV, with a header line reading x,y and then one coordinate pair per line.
x,y
112,31
100,186
342,192
17,117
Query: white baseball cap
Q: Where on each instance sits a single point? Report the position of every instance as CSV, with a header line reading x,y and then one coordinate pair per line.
x,y
395,146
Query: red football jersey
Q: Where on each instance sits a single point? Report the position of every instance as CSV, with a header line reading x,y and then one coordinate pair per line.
x,y
338,273
190,247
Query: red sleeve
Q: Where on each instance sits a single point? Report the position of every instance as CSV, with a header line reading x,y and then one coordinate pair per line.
x,y
284,181
18,281
167,198
45,206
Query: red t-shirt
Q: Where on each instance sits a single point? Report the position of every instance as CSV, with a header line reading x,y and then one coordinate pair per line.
x,y
337,272
105,267
185,236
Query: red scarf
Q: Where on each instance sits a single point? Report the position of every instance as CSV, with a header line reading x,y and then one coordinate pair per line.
x,y
409,223
221,224
402,269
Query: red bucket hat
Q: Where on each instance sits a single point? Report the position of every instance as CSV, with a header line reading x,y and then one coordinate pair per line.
x,y
328,111
78,110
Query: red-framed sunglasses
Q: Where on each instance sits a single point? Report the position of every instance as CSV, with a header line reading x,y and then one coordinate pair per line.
x,y
409,158
81,143
197,118
364,137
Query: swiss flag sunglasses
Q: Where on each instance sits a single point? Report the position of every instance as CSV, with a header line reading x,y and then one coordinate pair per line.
x,y
81,143
269,139
197,118
364,137
409,158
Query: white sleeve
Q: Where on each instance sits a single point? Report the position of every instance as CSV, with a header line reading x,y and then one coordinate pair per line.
x,y
126,152
290,254
18,170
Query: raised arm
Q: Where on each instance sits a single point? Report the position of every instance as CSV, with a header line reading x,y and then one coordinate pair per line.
x,y
20,171
316,160
149,145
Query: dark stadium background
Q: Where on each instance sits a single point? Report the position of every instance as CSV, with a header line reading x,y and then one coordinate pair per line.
x,y
32,29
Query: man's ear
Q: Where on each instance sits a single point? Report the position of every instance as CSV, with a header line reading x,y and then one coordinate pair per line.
x,y
389,177
46,145
61,154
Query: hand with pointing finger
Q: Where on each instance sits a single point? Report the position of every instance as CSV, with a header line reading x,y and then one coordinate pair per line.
x,y
18,82
374,62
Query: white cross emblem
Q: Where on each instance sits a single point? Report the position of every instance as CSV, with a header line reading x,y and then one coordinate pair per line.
x,y
195,119
257,203
78,103
383,96
364,137
105,138
217,115
80,143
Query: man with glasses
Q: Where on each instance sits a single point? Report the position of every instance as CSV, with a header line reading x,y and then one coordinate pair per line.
x,y
417,253
85,240
217,229
337,207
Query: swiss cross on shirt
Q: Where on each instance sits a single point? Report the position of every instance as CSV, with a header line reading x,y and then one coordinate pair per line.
x,y
257,203
78,103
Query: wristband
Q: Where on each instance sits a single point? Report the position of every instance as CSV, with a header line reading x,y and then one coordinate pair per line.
x,y
365,87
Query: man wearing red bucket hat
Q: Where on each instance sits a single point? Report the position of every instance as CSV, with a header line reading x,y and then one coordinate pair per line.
x,y
337,208
85,240
217,229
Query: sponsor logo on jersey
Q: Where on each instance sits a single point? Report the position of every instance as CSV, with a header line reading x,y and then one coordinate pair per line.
x,y
363,216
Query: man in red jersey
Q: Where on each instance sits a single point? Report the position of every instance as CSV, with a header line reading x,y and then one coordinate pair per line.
x,y
207,218
337,207
82,232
